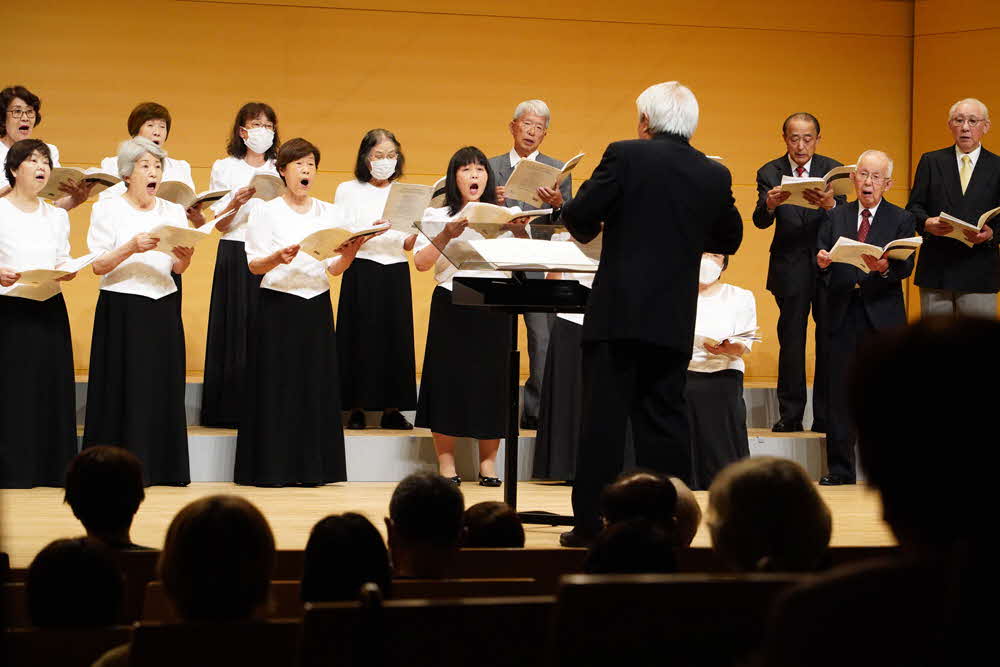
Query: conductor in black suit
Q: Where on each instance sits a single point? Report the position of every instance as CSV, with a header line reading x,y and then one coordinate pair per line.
x,y
529,127
860,303
791,272
663,203
964,181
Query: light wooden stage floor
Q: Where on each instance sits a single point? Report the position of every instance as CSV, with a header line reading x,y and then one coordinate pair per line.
x,y
31,518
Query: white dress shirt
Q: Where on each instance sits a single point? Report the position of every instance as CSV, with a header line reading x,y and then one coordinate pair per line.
x,y
173,170
274,225
445,271
807,166
38,240
368,202
973,157
232,173
729,311
114,222
4,149
515,158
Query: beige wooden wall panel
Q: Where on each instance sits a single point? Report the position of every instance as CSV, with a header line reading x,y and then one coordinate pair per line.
x,y
450,75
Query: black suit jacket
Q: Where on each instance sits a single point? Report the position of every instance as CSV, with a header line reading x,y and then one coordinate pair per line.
x,y
882,297
663,203
946,263
792,265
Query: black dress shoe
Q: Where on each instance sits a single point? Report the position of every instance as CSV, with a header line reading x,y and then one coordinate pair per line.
x,y
818,427
395,421
786,427
357,420
489,481
835,480
529,423
572,538
456,480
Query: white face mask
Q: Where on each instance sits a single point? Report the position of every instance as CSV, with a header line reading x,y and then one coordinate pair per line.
x,y
709,272
259,139
383,169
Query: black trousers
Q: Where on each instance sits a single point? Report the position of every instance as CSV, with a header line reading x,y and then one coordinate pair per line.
x,y
623,380
841,434
793,319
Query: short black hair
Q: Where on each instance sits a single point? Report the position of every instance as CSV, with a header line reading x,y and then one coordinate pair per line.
x,y
74,583
21,151
104,488
343,553
146,111
640,495
9,94
492,525
637,546
248,112
292,150
800,115
427,508
725,262
462,157
368,142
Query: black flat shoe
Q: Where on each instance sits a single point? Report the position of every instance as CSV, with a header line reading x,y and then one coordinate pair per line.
x,y
835,480
357,420
395,421
818,427
786,427
456,480
529,423
489,481
572,538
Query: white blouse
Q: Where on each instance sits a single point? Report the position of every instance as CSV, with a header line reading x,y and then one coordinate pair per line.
x,y
368,203
729,311
231,173
38,240
4,149
113,222
274,225
173,170
445,271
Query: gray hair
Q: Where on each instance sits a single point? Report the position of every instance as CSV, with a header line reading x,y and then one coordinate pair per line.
x,y
969,100
669,107
130,151
537,107
879,154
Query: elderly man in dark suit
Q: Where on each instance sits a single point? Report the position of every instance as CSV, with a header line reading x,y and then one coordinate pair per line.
x,y
791,271
962,180
860,302
662,204
529,127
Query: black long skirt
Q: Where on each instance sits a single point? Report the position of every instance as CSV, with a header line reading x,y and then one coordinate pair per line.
x,y
290,432
234,300
37,403
135,396
463,389
718,419
560,405
375,337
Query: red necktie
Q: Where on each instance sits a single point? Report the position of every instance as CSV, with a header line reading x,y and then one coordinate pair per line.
x,y
799,171
865,225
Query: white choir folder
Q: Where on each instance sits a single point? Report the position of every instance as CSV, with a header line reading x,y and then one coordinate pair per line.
x,y
838,177
849,251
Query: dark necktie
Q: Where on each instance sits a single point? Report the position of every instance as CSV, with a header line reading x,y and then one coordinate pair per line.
x,y
865,225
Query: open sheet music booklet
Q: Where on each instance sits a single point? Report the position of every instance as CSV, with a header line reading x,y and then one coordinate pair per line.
x,y
849,251
172,236
530,175
268,186
326,243
490,214
958,227
181,193
839,177
742,337
37,276
62,175
513,254
407,202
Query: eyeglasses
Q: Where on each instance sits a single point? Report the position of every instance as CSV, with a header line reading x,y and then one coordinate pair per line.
x,y
20,112
526,125
392,155
256,124
875,178
958,121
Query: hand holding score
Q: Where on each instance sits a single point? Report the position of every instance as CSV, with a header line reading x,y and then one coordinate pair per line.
x,y
823,259
551,196
983,235
937,226
8,277
878,265
286,255
143,242
822,198
727,347
776,197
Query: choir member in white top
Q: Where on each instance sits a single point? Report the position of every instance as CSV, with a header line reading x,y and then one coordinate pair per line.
x,y
290,431
714,392
463,388
37,408
21,114
375,313
135,397
253,145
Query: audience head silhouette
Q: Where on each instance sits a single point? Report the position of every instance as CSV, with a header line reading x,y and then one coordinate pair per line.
x,y
632,546
492,524
424,524
104,489
764,514
641,495
217,560
688,513
74,583
344,552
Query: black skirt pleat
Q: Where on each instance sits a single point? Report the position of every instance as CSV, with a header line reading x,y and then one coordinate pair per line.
x,y
463,388
135,395
291,432
375,337
37,403
560,405
234,300
718,419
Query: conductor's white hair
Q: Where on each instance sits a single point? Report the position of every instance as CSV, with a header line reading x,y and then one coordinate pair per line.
x,y
670,107
969,100
881,155
537,107
130,151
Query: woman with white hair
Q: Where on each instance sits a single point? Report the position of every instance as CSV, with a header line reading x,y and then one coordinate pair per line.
x,y
38,412
137,365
